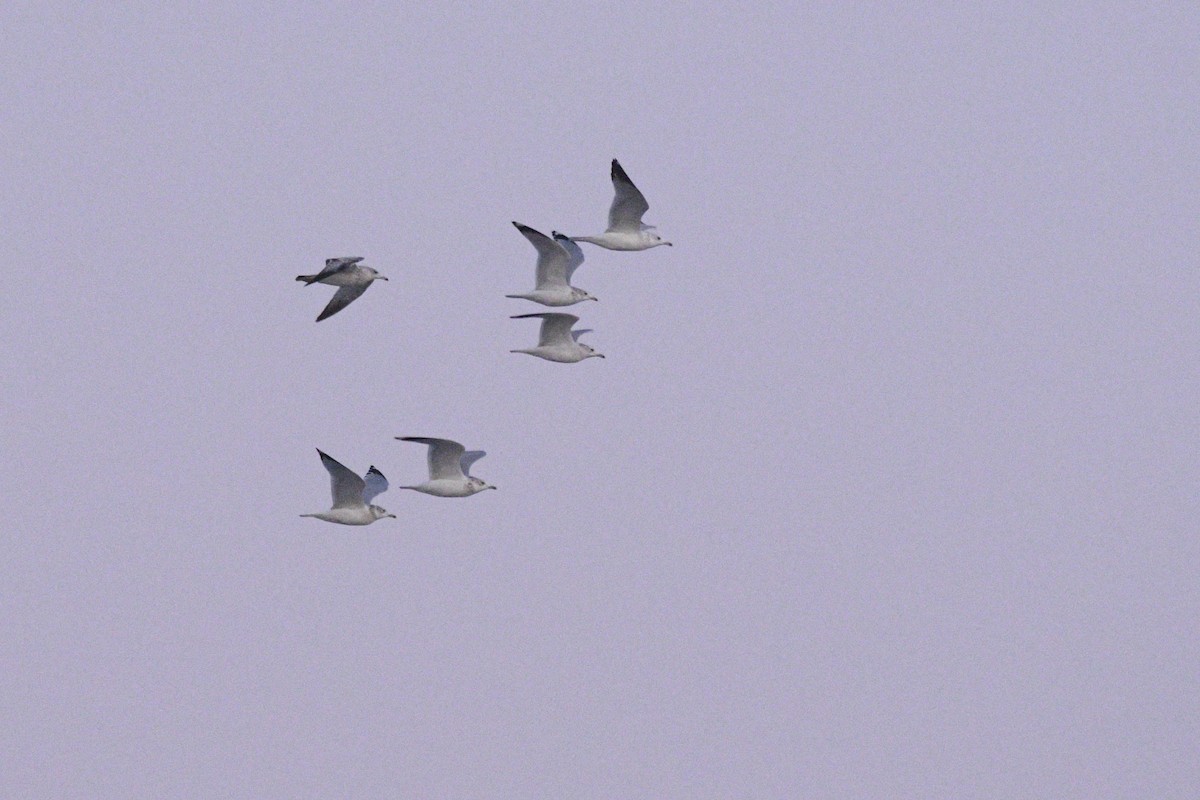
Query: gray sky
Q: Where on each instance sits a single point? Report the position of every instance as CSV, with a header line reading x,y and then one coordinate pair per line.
x,y
887,487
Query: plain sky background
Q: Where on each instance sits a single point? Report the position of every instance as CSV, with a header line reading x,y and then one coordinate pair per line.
x,y
888,487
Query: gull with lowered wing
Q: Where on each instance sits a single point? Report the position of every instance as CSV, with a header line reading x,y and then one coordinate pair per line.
x,y
351,277
556,340
449,468
352,495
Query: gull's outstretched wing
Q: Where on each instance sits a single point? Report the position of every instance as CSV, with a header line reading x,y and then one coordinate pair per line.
x,y
445,457
556,327
469,458
335,265
553,260
576,334
628,205
347,487
343,297
376,485
573,250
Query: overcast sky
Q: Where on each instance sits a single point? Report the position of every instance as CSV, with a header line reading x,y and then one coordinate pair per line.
x,y
887,488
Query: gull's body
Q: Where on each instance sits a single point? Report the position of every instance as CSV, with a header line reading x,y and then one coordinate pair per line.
x,y
626,231
556,340
352,495
347,274
558,258
449,468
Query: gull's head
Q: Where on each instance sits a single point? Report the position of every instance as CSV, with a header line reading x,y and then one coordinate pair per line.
x,y
379,513
375,276
656,240
580,294
589,351
479,485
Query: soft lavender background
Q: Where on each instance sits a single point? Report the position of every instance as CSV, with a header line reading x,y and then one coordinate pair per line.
x,y
888,487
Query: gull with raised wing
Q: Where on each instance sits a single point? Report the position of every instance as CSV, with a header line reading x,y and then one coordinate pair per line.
x,y
556,340
351,277
352,495
556,264
626,231
449,468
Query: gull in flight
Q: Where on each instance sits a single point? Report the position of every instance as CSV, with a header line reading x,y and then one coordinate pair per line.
x,y
558,258
556,340
352,495
449,468
626,231
345,273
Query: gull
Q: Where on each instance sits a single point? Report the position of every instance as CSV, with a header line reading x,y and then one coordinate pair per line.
x,y
347,274
626,231
352,495
449,468
556,340
558,258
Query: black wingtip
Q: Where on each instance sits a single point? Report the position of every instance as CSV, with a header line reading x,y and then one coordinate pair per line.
x,y
528,232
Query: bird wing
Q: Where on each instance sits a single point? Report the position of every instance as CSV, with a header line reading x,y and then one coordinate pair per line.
x,y
334,266
556,327
376,485
576,334
445,457
573,250
628,205
469,458
347,487
344,296
552,261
